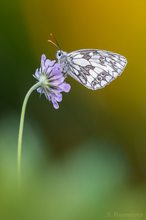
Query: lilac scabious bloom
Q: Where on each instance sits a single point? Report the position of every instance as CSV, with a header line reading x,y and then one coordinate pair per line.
x,y
52,81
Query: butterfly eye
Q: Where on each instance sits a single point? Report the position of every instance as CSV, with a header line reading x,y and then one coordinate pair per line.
x,y
59,53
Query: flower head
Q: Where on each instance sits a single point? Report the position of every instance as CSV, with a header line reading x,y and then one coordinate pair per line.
x,y
52,81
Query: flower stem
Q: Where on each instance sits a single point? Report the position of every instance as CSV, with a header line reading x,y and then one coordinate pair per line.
x,y
20,135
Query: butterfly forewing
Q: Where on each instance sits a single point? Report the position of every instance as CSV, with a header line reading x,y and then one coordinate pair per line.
x,y
95,68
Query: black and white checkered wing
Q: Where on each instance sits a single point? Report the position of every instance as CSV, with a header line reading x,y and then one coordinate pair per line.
x,y
95,68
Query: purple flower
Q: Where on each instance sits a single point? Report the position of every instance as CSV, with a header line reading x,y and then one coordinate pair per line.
x,y
52,81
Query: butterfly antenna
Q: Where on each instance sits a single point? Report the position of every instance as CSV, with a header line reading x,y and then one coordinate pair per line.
x,y
54,41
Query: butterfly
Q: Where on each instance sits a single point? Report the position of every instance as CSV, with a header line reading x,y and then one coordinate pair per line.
x,y
92,68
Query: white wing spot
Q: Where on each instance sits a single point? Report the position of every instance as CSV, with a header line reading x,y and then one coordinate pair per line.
x,y
115,74
103,83
76,72
118,65
90,79
97,86
75,66
93,73
81,62
108,59
83,79
108,78
102,67
122,63
119,71
123,59
109,68
103,53
78,56
94,63
98,70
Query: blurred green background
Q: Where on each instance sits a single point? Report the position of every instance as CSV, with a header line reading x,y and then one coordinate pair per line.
x,y
86,160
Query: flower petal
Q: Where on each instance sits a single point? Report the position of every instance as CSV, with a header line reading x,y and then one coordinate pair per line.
x,y
48,96
56,82
56,76
57,97
57,69
37,73
40,90
65,87
55,103
43,59
49,63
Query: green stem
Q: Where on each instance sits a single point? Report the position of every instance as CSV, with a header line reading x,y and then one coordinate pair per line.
x,y
20,135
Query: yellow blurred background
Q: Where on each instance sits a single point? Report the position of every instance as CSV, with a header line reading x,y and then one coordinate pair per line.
x,y
86,160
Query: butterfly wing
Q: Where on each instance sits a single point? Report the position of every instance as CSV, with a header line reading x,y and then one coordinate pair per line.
x,y
95,68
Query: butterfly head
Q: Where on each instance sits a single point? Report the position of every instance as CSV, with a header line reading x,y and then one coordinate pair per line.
x,y
61,55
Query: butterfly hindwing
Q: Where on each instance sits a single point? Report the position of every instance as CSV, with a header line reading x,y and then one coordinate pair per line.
x,y
95,68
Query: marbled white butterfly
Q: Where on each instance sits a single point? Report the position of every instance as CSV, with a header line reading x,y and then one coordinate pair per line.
x,y
92,68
